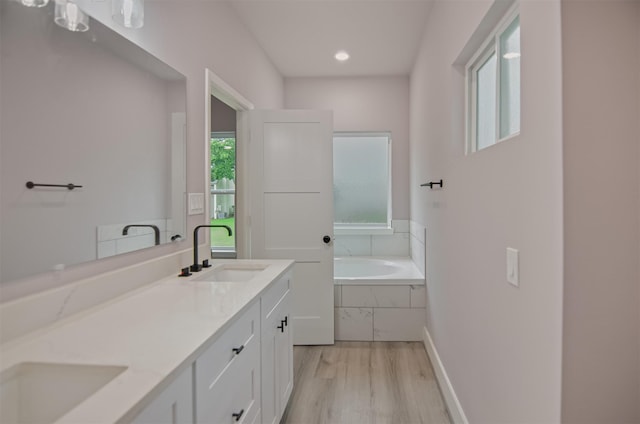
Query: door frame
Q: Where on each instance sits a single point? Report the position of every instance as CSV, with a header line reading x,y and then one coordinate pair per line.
x,y
217,87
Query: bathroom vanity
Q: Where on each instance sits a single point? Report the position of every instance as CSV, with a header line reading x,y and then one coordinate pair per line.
x,y
214,347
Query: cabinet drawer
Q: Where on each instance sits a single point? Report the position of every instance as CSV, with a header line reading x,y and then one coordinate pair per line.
x,y
234,397
242,334
273,295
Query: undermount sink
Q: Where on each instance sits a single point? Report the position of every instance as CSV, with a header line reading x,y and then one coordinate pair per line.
x,y
32,392
232,273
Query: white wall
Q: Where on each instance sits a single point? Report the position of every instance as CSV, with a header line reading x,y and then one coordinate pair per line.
x,y
190,36
501,346
363,104
601,93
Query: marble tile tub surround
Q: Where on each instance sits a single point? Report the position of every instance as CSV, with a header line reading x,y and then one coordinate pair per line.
x,y
379,312
417,238
396,244
155,332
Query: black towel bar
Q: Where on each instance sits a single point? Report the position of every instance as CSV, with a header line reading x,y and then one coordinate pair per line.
x,y
31,184
432,183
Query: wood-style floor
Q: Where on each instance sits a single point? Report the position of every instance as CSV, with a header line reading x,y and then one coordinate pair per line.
x,y
364,382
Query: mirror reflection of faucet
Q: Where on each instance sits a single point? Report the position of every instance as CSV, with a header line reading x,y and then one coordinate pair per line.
x,y
156,230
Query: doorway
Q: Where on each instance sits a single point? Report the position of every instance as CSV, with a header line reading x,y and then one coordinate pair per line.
x,y
224,179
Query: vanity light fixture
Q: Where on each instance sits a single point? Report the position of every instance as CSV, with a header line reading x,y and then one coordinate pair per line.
x,y
128,13
35,3
68,15
341,56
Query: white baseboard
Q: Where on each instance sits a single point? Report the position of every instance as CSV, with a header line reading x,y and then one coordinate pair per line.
x,y
449,395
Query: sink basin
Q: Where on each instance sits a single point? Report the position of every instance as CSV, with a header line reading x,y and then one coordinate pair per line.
x,y
33,392
232,273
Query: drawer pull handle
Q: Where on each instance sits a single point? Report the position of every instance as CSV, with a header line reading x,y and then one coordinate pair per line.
x,y
286,324
281,326
237,415
237,350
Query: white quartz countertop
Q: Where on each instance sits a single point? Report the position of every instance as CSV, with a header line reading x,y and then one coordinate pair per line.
x,y
155,331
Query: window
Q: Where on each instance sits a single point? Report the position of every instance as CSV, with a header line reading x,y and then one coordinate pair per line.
x,y
223,191
493,78
362,181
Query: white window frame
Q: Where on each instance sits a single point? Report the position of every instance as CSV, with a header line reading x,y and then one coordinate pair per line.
x,y
369,229
490,46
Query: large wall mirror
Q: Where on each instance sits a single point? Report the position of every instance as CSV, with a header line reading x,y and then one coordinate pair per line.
x,y
95,110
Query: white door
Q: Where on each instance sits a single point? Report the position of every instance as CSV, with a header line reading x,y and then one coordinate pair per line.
x,y
290,208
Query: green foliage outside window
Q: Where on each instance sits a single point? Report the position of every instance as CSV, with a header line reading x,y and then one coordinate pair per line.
x,y
223,159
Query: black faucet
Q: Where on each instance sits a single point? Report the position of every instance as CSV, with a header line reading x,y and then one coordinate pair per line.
x,y
156,230
196,267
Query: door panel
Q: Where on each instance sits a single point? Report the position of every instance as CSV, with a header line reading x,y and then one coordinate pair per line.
x,y
293,150
286,220
291,208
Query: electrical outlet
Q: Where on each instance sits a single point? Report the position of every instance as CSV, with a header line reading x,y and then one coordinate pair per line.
x,y
513,273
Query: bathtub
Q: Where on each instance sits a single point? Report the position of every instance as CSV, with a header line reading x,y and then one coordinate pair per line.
x,y
378,299
372,270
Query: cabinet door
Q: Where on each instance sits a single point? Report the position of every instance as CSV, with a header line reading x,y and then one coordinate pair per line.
x,y
277,360
173,406
228,374
284,356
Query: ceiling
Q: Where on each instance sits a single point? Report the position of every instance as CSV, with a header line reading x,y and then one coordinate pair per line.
x,y
302,36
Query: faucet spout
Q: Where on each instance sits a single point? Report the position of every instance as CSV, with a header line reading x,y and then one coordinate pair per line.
x,y
196,267
156,230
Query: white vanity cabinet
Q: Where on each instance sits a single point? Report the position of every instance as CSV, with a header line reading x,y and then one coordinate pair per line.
x,y
277,350
173,406
227,374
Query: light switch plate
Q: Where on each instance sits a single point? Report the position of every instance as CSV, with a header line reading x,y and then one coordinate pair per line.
x,y
513,273
196,203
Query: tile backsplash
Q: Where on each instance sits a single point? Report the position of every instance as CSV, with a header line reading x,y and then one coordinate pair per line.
x,y
396,244
110,240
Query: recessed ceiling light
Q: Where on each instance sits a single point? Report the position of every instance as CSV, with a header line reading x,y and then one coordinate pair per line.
x,y
342,56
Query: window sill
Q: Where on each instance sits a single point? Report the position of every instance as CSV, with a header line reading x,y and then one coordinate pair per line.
x,y
223,254
362,231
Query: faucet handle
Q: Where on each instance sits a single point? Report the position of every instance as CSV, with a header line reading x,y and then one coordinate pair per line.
x,y
205,264
185,272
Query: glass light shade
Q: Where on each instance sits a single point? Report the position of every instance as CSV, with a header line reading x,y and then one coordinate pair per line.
x,y
128,13
35,3
68,15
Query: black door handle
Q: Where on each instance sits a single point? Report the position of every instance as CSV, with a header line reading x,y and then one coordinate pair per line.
x,y
281,326
285,321
326,239
237,350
